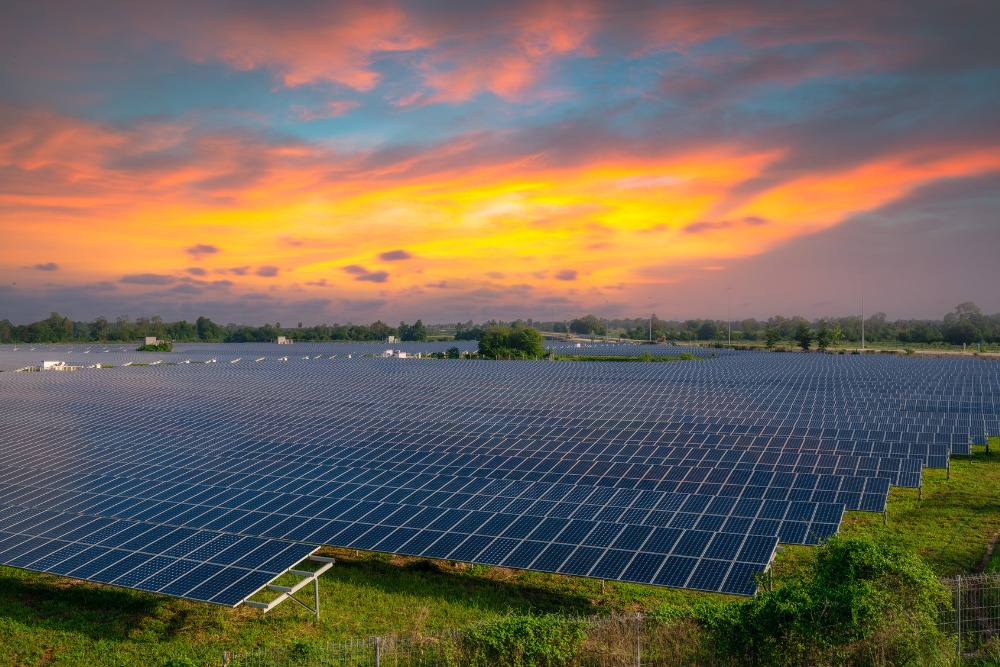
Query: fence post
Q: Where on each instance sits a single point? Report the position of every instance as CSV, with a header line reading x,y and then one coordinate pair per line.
x,y
638,639
377,651
225,658
958,617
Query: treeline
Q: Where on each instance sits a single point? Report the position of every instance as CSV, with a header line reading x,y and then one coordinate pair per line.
x,y
59,329
966,324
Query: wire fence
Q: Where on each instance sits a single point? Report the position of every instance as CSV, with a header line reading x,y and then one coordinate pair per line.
x,y
971,621
973,618
609,641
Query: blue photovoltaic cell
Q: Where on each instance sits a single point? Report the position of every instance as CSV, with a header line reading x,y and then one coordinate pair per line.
x,y
643,568
709,575
444,545
612,564
675,571
524,554
581,561
740,580
552,557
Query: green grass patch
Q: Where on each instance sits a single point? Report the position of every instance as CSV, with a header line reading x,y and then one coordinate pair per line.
x,y
56,621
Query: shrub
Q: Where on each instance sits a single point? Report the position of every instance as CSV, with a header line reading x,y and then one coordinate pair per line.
x,y
178,662
861,603
165,346
522,641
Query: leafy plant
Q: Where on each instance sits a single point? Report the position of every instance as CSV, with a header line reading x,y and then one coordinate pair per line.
x,y
861,602
522,641
803,336
178,662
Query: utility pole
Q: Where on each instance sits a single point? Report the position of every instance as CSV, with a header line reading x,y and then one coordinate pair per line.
x,y
862,311
729,314
607,322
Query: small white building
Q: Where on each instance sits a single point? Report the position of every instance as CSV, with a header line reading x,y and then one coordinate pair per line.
x,y
396,354
149,340
58,366
281,340
390,340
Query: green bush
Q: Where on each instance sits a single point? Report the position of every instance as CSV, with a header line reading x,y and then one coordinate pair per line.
x,y
300,650
179,662
522,641
860,603
165,346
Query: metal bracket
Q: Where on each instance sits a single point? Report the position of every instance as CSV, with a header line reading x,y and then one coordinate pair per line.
x,y
288,592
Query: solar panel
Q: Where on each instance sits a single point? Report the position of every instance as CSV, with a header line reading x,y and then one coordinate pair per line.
x,y
142,556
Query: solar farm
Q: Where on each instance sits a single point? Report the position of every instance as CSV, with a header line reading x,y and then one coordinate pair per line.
x,y
208,480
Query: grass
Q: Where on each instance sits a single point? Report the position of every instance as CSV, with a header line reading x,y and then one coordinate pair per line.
x,y
46,620
951,527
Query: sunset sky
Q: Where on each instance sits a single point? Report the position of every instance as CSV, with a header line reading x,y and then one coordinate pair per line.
x,y
335,161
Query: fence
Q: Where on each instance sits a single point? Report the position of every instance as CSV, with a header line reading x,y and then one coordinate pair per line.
x,y
972,621
974,617
611,641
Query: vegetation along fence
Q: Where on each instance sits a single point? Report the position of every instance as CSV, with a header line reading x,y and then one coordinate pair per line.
x,y
970,623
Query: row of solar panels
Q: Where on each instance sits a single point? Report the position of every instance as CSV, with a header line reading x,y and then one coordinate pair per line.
x,y
202,565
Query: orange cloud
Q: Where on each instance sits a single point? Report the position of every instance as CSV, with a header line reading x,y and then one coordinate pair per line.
x,y
135,201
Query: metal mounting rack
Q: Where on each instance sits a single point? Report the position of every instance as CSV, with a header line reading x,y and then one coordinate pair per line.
x,y
287,593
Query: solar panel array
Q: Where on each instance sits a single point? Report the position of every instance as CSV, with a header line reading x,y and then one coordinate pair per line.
x,y
677,474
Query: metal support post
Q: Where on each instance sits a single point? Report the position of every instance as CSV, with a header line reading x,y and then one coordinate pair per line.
x,y
225,658
602,587
885,517
288,592
378,651
638,639
958,616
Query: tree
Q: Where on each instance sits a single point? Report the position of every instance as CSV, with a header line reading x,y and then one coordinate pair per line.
x,y
453,353
416,332
207,329
965,325
771,336
99,328
803,336
708,330
586,325
528,341
499,341
494,342
824,334
382,330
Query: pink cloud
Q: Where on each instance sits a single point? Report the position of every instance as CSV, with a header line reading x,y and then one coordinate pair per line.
x,y
335,44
